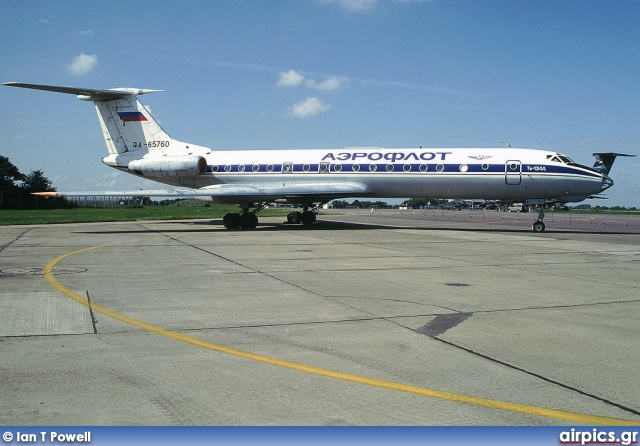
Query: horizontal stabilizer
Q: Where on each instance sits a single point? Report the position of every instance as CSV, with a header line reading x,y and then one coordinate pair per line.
x,y
604,161
86,93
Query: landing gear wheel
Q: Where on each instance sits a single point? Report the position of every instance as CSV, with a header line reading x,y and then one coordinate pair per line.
x,y
232,221
538,227
308,217
248,221
294,217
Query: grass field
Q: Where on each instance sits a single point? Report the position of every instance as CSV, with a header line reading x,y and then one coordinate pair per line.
x,y
85,215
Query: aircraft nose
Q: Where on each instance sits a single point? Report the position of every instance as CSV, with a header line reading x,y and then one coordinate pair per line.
x,y
607,182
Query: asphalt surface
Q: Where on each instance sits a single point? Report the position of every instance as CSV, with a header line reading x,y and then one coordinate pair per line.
x,y
385,318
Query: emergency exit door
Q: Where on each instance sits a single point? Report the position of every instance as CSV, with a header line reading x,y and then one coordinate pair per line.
x,y
513,172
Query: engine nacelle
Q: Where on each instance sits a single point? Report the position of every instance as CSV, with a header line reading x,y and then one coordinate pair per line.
x,y
169,166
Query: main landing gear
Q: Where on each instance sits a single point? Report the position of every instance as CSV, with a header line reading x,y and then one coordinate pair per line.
x,y
245,219
538,226
249,220
305,217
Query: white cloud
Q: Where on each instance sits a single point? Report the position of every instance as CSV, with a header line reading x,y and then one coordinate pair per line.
x,y
85,32
148,107
290,78
331,84
83,64
108,180
354,5
366,5
310,106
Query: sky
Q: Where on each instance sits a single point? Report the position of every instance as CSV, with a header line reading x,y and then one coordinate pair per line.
x,y
557,75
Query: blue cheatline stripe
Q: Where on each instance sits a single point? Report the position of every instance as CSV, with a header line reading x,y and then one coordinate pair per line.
x,y
382,168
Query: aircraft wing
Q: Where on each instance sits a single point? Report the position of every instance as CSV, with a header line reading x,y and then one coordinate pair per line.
x,y
237,193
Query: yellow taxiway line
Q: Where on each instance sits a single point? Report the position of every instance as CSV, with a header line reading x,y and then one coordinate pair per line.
x,y
573,417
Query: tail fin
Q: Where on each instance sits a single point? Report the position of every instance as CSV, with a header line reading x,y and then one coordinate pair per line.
x,y
604,161
127,126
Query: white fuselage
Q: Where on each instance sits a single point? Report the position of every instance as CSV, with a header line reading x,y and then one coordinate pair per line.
x,y
502,174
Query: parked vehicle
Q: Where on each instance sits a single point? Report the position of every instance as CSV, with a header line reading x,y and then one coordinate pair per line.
x,y
452,206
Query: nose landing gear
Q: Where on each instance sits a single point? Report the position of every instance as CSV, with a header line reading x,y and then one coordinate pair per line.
x,y
538,226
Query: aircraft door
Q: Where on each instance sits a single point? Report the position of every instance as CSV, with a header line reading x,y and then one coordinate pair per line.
x,y
513,172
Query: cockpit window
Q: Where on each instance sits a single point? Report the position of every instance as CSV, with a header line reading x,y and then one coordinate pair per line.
x,y
559,158
566,159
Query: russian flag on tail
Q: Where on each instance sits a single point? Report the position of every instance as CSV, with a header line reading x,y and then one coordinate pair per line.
x,y
132,116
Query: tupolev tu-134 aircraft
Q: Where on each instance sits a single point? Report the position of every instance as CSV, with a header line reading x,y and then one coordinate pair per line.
x,y
253,179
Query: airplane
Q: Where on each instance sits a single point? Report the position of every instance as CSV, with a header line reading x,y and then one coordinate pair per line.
x,y
253,179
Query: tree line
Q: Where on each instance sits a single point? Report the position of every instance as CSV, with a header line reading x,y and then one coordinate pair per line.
x,y
16,188
415,203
